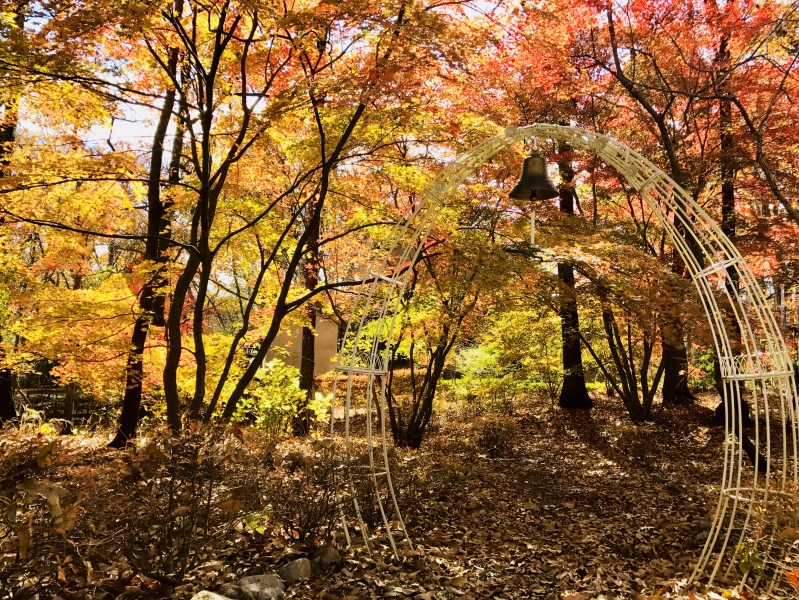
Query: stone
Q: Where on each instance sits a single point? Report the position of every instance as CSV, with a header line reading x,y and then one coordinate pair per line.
x,y
316,570
327,557
204,595
235,592
295,570
261,587
703,526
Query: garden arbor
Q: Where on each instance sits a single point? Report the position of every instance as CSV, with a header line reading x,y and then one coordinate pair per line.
x,y
753,508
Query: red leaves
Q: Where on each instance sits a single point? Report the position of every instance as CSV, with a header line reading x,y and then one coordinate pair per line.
x,y
793,578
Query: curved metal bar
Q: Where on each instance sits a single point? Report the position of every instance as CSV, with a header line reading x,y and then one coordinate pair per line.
x,y
760,358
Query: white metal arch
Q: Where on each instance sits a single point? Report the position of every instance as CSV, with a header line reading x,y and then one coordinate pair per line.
x,y
752,505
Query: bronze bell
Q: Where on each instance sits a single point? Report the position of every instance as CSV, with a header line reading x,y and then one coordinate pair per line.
x,y
534,183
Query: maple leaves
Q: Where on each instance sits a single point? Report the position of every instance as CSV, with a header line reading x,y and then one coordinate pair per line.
x,y
793,578
309,130
263,121
266,119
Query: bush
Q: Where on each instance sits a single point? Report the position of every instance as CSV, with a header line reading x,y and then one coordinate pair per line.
x,y
700,370
495,435
306,488
187,493
275,398
162,510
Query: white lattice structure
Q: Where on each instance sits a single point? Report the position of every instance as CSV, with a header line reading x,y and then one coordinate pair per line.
x,y
754,505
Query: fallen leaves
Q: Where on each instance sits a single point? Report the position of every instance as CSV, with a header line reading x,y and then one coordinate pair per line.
x,y
230,505
50,493
44,458
570,513
180,511
793,578
24,535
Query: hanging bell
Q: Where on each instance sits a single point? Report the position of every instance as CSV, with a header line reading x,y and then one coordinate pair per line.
x,y
534,183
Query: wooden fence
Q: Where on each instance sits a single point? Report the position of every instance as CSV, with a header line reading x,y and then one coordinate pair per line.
x,y
56,403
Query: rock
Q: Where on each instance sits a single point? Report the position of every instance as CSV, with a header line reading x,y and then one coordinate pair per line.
x,y
316,570
261,587
327,557
208,596
236,592
295,570
703,526
675,487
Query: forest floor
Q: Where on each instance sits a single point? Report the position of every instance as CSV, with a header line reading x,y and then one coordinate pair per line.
x,y
576,505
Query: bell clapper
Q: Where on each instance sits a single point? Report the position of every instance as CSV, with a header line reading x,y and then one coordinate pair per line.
x,y
532,227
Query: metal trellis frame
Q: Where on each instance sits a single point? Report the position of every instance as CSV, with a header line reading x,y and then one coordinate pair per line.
x,y
753,503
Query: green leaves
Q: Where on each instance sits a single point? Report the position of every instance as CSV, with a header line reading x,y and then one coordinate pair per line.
x,y
749,557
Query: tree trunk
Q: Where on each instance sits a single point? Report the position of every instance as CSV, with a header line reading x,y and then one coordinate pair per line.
x,y
573,394
409,433
165,227
7,410
131,406
301,425
175,345
200,356
675,374
131,403
637,412
208,187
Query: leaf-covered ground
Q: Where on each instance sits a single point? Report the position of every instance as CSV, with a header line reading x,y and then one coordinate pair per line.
x,y
583,504
574,505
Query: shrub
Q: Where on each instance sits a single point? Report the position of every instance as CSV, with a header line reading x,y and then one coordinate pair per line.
x,y
700,370
187,493
495,435
73,511
275,398
305,490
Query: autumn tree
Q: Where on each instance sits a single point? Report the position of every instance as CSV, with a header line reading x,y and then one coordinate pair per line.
x,y
350,119
460,273
432,323
730,98
235,79
573,394
9,110
630,324
151,299
41,63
